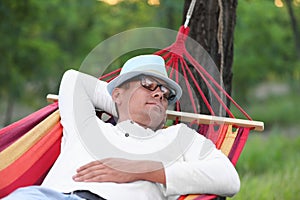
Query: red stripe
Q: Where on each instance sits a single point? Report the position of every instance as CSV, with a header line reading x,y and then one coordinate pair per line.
x,y
206,197
37,172
14,131
238,144
36,155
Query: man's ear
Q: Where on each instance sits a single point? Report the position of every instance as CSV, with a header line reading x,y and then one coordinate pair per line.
x,y
116,95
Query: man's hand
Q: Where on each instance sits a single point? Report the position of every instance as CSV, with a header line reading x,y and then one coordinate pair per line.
x,y
120,170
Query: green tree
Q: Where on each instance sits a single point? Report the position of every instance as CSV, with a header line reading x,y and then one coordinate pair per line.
x,y
25,55
41,39
264,46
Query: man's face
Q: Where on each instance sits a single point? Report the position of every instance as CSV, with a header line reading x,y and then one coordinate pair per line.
x,y
142,105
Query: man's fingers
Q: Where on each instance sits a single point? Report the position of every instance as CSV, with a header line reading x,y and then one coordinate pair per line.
x,y
89,171
90,178
89,165
106,170
85,177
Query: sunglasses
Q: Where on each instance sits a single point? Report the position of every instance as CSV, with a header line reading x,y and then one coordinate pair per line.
x,y
151,84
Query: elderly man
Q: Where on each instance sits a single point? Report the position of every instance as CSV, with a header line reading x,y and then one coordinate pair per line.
x,y
137,158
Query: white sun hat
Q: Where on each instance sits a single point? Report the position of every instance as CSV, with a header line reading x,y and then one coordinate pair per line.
x,y
150,65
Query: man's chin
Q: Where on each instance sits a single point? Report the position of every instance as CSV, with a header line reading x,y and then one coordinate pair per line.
x,y
156,110
156,121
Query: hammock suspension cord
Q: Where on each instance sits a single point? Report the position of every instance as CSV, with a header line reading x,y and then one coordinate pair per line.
x,y
220,46
189,13
175,56
177,53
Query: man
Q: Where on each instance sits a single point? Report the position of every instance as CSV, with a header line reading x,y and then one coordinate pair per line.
x,y
136,159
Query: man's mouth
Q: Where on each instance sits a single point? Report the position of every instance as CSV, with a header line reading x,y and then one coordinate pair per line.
x,y
155,105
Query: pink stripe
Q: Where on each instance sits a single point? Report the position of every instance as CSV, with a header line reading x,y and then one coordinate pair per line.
x,y
238,144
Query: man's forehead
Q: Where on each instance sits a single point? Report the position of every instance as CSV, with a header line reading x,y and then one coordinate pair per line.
x,y
154,78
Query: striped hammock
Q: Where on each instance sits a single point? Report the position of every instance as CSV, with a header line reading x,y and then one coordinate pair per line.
x,y
30,146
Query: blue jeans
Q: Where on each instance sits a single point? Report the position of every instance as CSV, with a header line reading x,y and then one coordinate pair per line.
x,y
39,193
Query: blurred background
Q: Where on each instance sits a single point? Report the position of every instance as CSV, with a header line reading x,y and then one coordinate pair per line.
x,y
42,39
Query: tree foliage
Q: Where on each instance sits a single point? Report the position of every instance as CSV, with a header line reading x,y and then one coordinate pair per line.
x,y
41,39
264,45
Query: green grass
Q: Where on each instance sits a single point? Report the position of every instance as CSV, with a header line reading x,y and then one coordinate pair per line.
x,y
278,110
269,166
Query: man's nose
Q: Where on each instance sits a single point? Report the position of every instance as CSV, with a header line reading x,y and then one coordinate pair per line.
x,y
157,93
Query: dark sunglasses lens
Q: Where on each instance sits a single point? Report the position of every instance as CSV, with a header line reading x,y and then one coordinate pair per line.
x,y
148,84
171,95
151,85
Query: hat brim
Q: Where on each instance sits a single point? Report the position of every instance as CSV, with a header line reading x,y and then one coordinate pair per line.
x,y
129,75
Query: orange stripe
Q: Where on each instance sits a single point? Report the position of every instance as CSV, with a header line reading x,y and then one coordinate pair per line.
x,y
36,172
229,140
17,149
29,158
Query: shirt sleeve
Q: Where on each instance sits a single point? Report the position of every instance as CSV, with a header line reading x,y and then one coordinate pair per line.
x,y
79,95
203,170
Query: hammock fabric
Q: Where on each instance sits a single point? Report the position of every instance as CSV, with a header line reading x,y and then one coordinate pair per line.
x,y
29,147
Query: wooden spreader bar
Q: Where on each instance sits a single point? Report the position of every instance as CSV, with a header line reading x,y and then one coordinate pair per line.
x,y
200,118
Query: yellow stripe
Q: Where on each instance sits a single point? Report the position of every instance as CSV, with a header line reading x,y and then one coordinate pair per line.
x,y
228,140
192,196
14,151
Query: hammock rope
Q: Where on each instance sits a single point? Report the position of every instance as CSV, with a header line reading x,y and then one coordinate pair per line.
x,y
220,42
175,54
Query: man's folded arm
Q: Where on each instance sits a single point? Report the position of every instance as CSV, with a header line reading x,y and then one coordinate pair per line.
x,y
213,175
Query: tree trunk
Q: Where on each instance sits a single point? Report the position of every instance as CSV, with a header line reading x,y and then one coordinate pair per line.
x,y
294,26
212,25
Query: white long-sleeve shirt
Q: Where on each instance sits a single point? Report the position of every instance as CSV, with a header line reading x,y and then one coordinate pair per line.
x,y
192,163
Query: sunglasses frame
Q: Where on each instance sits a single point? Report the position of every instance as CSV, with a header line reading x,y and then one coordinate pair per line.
x,y
149,86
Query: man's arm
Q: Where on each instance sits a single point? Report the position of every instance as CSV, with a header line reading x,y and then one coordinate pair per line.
x,y
75,84
79,95
204,169
213,174
121,171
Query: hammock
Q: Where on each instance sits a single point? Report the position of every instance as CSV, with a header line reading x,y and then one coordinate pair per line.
x,y
30,146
